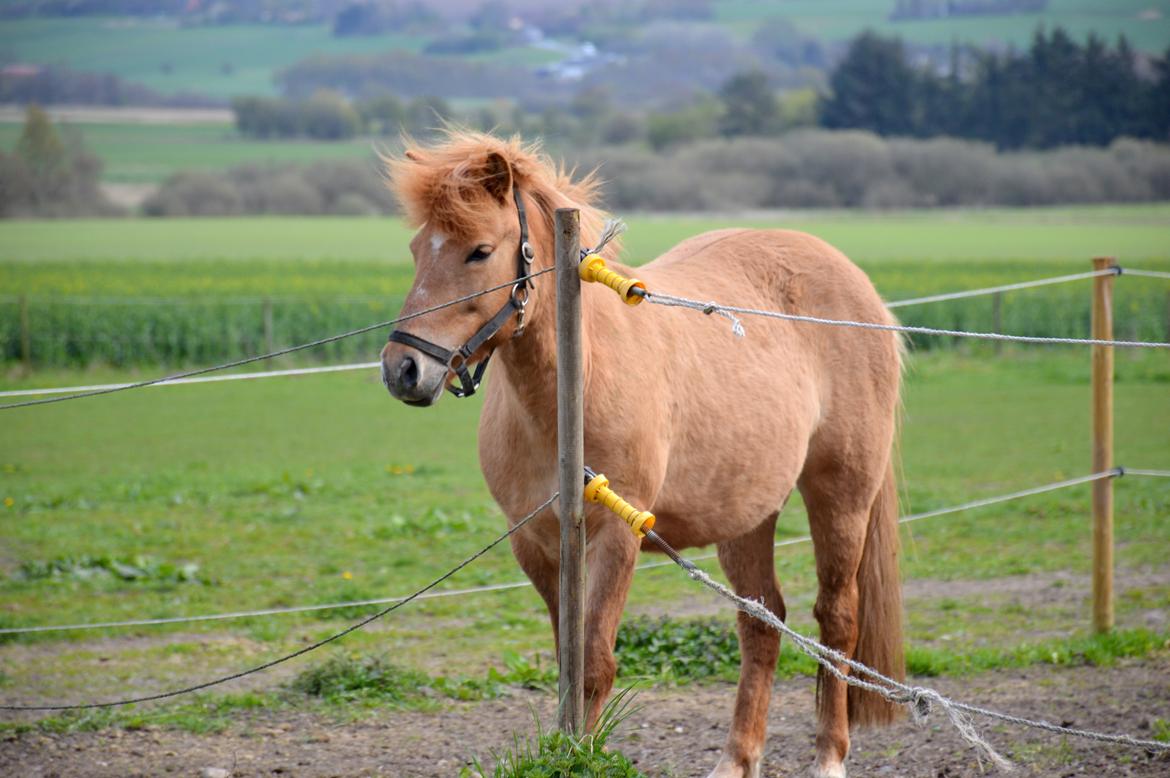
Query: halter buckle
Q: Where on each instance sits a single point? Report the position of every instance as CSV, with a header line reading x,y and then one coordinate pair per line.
x,y
520,295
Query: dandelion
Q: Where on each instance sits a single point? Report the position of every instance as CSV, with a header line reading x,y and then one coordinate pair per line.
x,y
9,502
348,576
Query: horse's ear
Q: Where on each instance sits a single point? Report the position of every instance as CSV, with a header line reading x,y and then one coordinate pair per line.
x,y
497,177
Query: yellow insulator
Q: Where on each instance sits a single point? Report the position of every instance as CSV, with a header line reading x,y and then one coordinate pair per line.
x,y
593,269
598,491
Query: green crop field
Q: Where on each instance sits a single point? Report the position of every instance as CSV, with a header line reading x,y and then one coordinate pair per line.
x,y
108,291
148,153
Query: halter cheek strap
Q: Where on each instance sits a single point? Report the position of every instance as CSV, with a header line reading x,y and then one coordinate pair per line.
x,y
457,360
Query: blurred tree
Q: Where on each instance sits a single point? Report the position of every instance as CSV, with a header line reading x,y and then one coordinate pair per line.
x,y
749,106
40,146
872,88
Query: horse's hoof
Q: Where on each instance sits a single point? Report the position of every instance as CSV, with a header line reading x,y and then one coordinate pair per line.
x,y
728,769
831,770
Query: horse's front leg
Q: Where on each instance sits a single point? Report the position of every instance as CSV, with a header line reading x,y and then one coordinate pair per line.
x,y
748,564
610,556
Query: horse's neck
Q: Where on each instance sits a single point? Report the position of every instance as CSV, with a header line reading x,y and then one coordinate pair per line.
x,y
530,361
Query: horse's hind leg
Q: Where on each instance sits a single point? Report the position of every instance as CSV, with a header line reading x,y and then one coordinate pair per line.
x,y
748,563
838,516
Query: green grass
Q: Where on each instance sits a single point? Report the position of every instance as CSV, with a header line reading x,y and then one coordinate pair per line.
x,y
148,153
329,275
321,489
169,58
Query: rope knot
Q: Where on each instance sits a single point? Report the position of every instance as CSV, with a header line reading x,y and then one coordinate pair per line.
x,y
921,703
710,308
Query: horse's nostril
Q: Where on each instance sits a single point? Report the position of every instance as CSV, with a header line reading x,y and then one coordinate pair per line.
x,y
408,373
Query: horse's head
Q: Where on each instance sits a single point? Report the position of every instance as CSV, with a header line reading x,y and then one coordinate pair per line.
x,y
472,236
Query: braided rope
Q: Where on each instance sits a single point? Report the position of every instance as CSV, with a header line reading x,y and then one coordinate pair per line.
x,y
920,700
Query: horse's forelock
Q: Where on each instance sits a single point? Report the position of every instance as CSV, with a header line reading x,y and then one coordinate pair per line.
x,y
443,184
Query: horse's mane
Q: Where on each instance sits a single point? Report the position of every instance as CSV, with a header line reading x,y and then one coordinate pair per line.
x,y
443,184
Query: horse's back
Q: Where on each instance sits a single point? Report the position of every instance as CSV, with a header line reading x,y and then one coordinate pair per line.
x,y
768,267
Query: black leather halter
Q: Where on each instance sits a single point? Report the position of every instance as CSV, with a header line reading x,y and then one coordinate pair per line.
x,y
457,359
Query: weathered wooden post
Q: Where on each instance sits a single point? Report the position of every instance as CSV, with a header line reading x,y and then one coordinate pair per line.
x,y
997,318
25,334
269,339
571,461
1102,357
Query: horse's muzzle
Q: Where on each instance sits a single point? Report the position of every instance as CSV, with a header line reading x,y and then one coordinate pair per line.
x,y
411,377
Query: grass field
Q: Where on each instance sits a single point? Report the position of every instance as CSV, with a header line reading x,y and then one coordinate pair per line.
x,y
108,291
203,499
148,153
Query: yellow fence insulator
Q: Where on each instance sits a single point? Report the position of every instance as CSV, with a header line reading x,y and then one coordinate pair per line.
x,y
593,270
597,490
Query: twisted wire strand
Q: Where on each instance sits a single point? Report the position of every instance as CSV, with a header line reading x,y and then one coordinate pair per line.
x,y
659,298
920,700
277,353
302,651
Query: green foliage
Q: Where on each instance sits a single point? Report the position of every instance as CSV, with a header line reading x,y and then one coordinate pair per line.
x,y
347,677
138,569
559,755
1161,728
1091,650
673,649
1057,93
749,106
45,177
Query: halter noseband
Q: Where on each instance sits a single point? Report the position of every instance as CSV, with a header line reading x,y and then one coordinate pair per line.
x,y
457,359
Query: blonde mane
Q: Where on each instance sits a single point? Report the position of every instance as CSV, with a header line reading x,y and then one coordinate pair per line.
x,y
444,184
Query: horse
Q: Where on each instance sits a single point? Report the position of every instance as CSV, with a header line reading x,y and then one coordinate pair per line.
x,y
709,432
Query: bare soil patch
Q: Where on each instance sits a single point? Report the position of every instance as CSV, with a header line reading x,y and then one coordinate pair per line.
x,y
677,733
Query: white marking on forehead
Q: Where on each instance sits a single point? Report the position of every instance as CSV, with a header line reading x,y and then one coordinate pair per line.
x,y
437,241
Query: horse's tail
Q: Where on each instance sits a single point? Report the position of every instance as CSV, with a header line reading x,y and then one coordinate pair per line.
x,y
879,618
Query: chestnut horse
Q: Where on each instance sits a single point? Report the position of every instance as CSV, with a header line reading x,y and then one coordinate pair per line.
x,y
708,431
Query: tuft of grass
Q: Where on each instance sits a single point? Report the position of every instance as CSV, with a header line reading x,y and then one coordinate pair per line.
x,y
136,569
348,677
1091,650
556,753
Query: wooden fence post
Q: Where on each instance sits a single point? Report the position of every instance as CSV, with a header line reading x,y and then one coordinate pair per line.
x,y
269,339
25,334
1102,357
997,318
571,462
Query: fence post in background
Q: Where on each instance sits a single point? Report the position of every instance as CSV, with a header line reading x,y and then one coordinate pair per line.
x,y
269,340
571,463
25,334
997,318
1102,357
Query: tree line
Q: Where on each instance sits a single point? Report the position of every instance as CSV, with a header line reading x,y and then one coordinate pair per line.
x,y
1058,92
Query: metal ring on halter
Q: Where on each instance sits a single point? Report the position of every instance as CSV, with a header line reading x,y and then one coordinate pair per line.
x,y
527,253
518,290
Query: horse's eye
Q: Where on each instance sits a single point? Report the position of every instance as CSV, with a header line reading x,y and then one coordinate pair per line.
x,y
480,254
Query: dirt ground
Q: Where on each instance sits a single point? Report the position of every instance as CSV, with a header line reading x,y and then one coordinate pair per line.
x,y
677,733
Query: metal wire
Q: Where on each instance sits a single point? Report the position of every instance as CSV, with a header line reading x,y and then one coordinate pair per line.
x,y
197,380
300,652
713,307
278,353
935,298
1146,273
